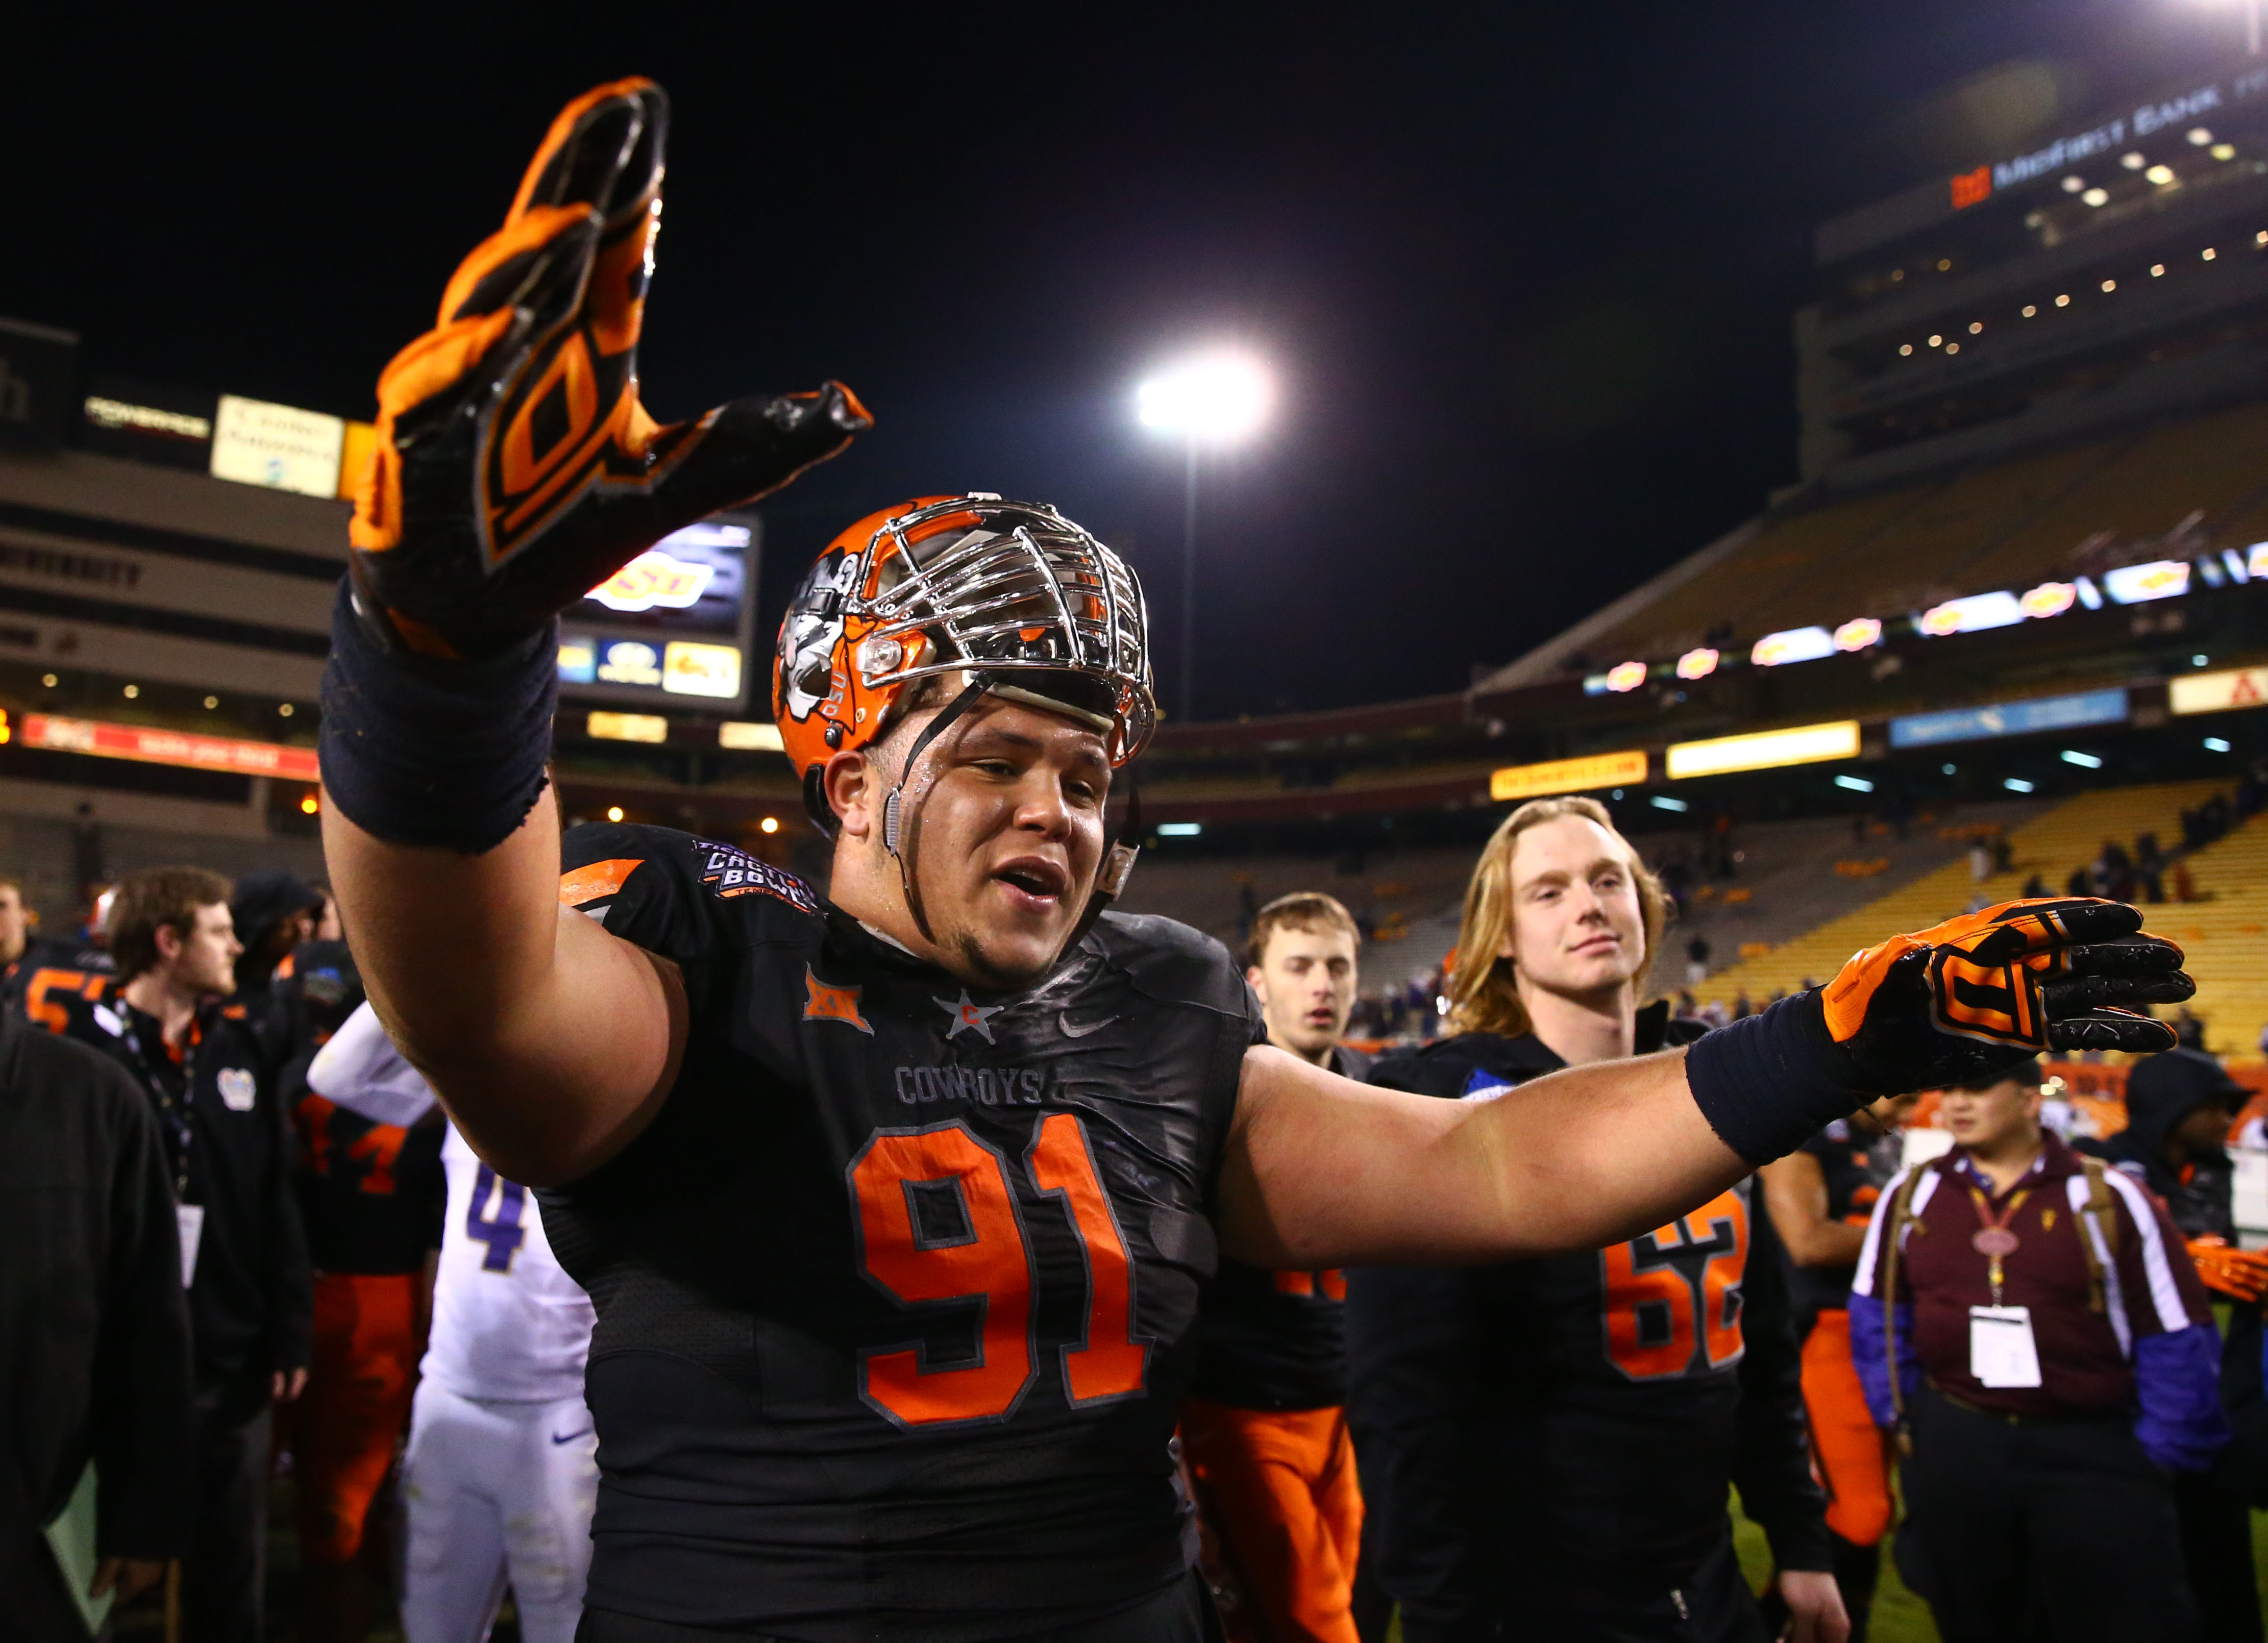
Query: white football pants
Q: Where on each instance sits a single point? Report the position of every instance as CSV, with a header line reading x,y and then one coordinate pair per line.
x,y
497,1493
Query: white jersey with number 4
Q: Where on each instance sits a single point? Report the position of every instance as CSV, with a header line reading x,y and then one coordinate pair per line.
x,y
508,1323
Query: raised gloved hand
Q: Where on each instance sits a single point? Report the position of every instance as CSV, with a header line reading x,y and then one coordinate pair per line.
x,y
2240,1274
1956,1002
515,468
1991,989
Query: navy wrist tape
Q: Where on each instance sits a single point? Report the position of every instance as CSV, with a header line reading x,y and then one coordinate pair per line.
x,y
422,752
1770,1082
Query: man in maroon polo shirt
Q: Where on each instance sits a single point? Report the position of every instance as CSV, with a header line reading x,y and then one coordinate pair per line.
x,y
2056,1363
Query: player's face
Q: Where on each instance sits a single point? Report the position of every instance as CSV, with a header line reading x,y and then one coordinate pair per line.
x,y
1577,926
1984,1120
1011,835
14,923
1306,983
204,962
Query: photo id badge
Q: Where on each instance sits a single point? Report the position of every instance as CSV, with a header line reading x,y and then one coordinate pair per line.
x,y
191,1219
2001,1350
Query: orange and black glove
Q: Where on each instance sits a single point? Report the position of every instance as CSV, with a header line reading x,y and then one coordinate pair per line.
x,y
1958,1001
2240,1274
515,468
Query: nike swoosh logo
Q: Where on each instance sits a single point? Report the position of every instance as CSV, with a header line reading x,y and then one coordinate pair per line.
x,y
571,1436
1070,1031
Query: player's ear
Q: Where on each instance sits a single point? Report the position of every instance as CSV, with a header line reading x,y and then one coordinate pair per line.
x,y
854,793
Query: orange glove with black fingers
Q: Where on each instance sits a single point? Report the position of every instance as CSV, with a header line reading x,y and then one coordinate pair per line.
x,y
1959,1000
2240,1274
515,468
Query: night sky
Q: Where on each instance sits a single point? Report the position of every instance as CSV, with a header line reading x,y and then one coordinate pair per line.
x,y
1525,271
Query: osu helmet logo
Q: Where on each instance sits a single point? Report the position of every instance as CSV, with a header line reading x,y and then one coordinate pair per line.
x,y
813,631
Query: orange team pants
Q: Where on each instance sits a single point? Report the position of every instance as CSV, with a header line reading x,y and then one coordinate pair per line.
x,y
1279,1492
1851,1452
357,1406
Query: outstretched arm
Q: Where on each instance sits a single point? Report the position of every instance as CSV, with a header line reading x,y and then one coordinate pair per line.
x,y
1320,1171
516,470
550,1042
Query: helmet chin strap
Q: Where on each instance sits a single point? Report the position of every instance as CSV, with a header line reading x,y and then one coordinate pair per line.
x,y
901,819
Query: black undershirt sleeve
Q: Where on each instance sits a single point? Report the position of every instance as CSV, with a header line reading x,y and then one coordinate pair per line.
x,y
1771,1465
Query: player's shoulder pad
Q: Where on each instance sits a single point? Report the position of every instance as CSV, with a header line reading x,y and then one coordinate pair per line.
x,y
669,892
1171,962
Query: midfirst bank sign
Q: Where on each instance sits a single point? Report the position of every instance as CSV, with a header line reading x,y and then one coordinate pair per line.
x,y
2177,113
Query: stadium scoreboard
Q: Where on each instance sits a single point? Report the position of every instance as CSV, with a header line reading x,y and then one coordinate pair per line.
x,y
673,627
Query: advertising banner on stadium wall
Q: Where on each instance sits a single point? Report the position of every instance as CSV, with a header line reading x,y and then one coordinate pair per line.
x,y
1806,744
2009,719
674,622
280,446
1568,776
2217,693
149,745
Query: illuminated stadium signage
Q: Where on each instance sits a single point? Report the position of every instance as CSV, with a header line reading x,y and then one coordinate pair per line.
x,y
2049,599
1561,776
146,746
675,621
1974,615
2009,719
1858,634
2256,559
1806,744
744,737
654,579
279,446
627,728
1796,644
2218,693
2138,584
1697,664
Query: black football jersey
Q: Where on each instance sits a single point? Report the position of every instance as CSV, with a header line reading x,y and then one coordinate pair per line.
x,y
1856,1167
896,1297
1275,1340
1573,1419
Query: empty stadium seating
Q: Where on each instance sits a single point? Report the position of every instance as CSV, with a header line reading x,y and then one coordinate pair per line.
x,y
2227,933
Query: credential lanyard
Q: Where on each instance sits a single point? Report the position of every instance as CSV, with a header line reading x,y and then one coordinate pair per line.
x,y
172,1111
1995,1240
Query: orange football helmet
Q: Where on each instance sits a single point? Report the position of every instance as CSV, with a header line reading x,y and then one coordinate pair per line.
x,y
1011,598
962,585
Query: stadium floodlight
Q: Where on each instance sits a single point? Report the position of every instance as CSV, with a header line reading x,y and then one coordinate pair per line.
x,y
2084,761
2016,785
2216,744
1215,398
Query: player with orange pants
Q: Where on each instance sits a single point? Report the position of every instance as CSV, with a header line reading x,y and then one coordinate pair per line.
x,y
1820,1196
1263,1430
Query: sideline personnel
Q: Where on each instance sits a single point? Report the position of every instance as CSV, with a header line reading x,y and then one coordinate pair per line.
x,y
2056,1361
210,1075
893,1206
1549,1444
1263,1426
96,1361
1821,1197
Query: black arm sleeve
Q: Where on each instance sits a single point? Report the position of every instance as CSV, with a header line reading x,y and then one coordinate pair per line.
x,y
141,1415
1413,1385
1771,1465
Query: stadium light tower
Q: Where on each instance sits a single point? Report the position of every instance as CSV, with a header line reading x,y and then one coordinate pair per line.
x,y
1212,399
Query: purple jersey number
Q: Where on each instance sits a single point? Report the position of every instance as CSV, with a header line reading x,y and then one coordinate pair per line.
x,y
501,1232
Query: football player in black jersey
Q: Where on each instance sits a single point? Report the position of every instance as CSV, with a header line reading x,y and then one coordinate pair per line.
x,y
1819,1197
894,1204
1548,1443
1263,1428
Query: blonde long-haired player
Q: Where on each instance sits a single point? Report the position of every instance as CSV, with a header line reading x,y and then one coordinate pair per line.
x,y
1547,1444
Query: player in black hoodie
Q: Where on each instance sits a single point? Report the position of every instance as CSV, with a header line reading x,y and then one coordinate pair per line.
x,y
1546,1444
2178,1108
